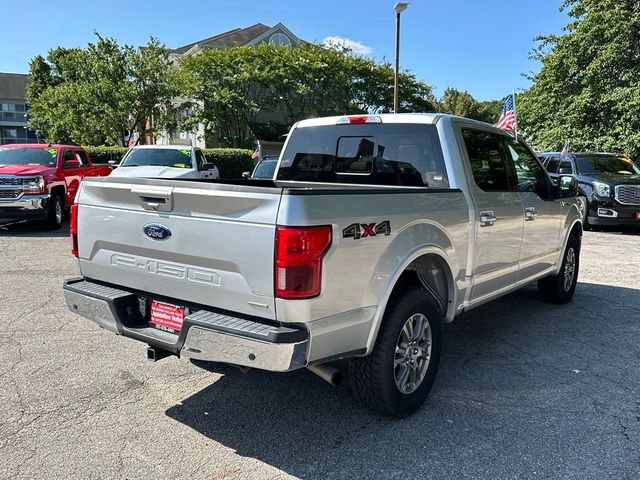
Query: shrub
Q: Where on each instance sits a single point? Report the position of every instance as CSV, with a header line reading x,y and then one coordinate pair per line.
x,y
103,154
230,161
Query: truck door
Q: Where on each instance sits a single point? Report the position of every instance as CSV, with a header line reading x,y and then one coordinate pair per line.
x,y
74,171
499,218
542,213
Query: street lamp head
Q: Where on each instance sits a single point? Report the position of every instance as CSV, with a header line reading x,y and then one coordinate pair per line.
x,y
400,6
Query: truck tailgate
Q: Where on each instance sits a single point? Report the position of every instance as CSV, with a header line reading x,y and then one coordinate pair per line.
x,y
218,250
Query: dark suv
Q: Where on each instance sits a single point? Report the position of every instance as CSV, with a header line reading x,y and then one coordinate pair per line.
x,y
608,185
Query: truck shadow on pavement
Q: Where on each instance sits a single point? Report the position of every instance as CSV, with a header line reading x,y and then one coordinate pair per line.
x,y
523,387
32,230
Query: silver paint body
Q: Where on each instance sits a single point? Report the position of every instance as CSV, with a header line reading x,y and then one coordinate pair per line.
x,y
221,251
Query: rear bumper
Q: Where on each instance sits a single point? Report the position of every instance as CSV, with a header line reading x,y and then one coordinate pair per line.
x,y
27,206
205,335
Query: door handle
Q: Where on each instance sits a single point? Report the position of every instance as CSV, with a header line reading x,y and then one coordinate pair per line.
x,y
487,219
530,214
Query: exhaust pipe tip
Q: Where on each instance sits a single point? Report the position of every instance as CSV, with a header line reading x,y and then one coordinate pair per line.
x,y
328,374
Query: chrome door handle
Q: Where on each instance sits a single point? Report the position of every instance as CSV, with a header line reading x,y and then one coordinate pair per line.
x,y
530,214
487,219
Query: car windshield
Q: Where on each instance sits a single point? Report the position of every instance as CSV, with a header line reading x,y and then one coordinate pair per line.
x,y
161,157
589,164
28,156
265,169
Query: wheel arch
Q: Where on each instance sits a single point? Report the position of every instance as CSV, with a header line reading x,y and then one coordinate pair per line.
x,y
428,268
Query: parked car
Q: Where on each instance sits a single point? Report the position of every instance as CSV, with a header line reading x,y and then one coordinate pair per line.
x,y
608,185
38,181
376,231
264,170
166,161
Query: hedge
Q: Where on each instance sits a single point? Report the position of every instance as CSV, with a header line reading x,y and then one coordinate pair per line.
x,y
230,161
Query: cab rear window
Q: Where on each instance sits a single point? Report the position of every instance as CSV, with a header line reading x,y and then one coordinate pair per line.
x,y
371,154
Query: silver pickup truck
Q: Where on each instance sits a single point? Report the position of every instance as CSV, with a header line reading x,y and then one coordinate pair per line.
x,y
374,232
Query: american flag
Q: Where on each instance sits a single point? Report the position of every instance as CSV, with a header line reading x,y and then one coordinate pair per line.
x,y
508,118
257,153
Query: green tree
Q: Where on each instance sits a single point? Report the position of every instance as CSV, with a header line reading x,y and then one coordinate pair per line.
x,y
230,87
588,88
101,93
463,104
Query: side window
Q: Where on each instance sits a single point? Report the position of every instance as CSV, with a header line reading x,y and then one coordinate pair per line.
x,y
530,174
552,165
568,168
489,164
200,159
68,156
81,156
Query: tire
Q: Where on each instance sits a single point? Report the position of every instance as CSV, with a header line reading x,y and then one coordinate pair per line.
x,y
560,288
55,212
584,210
377,381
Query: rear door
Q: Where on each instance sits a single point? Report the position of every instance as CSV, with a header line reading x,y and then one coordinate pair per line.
x,y
499,218
74,171
218,245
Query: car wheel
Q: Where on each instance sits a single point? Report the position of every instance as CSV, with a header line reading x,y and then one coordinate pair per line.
x,y
583,207
561,287
55,213
396,378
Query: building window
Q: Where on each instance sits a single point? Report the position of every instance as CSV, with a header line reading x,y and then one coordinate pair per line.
x,y
279,40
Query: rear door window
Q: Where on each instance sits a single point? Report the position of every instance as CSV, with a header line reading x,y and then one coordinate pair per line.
x,y
490,166
372,154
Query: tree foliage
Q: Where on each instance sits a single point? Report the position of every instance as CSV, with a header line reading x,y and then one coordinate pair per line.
x,y
230,88
100,93
463,104
588,89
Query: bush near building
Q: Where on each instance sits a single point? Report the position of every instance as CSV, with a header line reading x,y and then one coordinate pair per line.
x,y
230,161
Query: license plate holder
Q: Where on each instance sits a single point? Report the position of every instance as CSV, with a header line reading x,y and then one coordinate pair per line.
x,y
166,316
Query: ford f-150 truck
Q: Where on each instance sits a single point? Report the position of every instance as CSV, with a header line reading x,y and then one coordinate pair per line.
x,y
38,182
374,231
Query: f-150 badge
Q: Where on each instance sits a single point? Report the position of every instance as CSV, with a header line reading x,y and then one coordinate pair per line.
x,y
363,230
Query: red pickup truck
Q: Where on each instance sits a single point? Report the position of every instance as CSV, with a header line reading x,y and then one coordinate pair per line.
x,y
38,181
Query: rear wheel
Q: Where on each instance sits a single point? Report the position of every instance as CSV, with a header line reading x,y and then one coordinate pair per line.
x,y
561,287
55,212
396,378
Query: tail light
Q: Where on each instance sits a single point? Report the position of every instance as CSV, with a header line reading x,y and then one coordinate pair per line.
x,y
73,229
299,253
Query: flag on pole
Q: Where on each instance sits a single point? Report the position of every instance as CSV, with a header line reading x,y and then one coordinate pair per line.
x,y
507,120
257,153
133,139
565,149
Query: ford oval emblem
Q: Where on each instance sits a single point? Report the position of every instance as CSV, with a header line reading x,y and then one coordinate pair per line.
x,y
155,231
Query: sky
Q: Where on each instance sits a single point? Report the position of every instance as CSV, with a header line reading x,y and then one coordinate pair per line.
x,y
481,46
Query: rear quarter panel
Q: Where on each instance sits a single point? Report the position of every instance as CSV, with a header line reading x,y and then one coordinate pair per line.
x,y
358,274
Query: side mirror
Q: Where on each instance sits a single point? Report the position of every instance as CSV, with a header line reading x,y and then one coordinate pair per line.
x,y
114,163
72,164
246,174
207,167
565,171
567,186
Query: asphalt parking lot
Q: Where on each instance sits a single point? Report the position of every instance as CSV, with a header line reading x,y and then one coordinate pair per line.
x,y
525,390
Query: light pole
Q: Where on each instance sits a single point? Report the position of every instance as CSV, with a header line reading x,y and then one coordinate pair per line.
x,y
399,8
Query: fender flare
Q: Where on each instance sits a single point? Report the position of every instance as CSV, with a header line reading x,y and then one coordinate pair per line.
x,y
413,255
